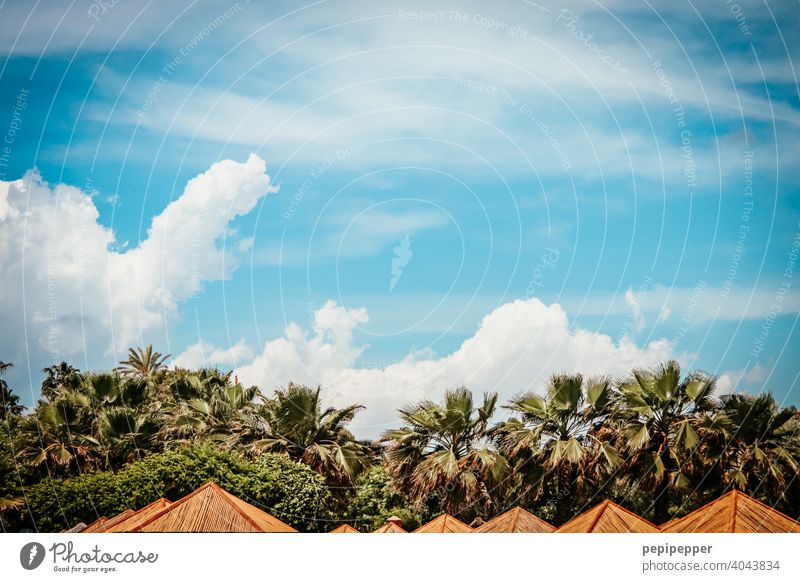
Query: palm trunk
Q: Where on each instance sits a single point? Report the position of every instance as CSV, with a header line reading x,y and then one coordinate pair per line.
x,y
563,494
661,502
661,493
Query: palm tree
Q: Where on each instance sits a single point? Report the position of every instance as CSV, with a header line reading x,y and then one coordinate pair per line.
x,y
296,424
444,451
59,377
11,502
142,362
659,414
124,434
223,413
181,384
9,475
558,432
758,447
9,402
106,389
59,435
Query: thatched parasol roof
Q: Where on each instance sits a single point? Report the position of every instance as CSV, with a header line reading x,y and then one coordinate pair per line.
x,y
95,525
734,512
516,520
444,524
607,517
344,528
393,525
119,518
211,509
140,516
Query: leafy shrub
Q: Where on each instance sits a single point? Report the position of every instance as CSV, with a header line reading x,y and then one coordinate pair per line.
x,y
374,500
290,491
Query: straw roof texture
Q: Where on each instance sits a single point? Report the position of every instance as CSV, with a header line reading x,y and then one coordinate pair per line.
x,y
607,517
344,528
212,509
95,525
138,517
444,524
516,520
120,517
390,527
734,512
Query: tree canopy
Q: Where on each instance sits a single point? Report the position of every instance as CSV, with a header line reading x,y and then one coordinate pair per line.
x,y
659,441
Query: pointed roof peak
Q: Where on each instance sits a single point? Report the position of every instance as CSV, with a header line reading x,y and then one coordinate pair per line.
x,y
390,527
515,520
444,523
608,517
733,512
344,528
210,508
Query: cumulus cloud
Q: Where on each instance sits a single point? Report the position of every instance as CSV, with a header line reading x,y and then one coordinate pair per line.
x,y
205,355
732,381
68,287
305,357
515,348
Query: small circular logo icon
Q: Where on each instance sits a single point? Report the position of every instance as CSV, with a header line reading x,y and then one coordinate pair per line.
x,y
31,555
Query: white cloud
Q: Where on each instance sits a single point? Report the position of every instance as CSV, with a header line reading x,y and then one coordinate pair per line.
x,y
634,302
732,381
310,358
515,348
698,304
204,355
246,244
371,76
68,290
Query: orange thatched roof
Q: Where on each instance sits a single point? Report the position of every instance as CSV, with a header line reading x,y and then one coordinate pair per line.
x,y
95,525
211,509
117,519
140,516
734,512
516,520
344,528
393,525
444,524
607,517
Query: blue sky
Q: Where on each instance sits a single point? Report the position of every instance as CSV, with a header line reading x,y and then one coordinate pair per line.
x,y
581,186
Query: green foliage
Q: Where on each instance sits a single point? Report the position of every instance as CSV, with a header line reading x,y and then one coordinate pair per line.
x,y
142,362
9,402
10,476
442,452
555,438
296,424
374,499
758,447
659,415
305,502
7,469
658,441
288,490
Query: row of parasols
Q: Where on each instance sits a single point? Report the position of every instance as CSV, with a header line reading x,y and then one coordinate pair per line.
x,y
211,509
